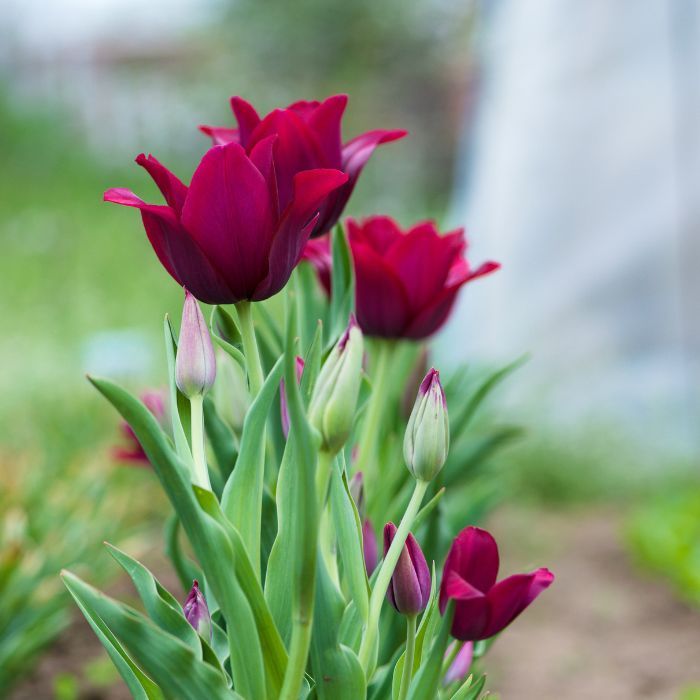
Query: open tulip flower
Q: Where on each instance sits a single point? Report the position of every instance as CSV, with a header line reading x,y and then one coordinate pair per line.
x,y
483,607
232,236
407,281
308,136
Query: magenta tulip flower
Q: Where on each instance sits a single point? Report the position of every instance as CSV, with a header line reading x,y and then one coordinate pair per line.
x,y
407,281
231,236
409,590
482,606
308,136
132,451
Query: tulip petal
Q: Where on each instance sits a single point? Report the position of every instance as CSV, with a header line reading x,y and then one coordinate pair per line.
x,y
508,598
179,254
460,666
379,232
420,566
262,157
310,188
247,119
220,135
325,121
172,188
228,214
318,252
382,306
473,556
472,610
358,151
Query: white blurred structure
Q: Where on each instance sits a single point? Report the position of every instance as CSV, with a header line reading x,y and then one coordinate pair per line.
x,y
581,174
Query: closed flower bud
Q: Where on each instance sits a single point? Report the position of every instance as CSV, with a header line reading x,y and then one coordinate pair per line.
x,y
357,491
427,438
284,411
409,589
197,613
333,403
370,551
195,365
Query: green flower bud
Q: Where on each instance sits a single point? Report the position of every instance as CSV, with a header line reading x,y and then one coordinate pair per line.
x,y
334,400
427,438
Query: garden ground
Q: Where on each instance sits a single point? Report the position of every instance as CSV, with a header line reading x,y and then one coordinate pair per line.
x,y
602,631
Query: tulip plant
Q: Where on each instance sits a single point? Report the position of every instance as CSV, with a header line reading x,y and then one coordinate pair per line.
x,y
287,438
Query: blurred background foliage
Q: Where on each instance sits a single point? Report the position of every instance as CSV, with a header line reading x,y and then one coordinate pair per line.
x,y
82,290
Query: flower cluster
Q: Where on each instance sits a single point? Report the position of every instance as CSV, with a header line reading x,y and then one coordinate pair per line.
x,y
285,442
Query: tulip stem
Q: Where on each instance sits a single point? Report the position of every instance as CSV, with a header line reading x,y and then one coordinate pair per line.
x,y
200,475
368,646
408,656
250,347
373,421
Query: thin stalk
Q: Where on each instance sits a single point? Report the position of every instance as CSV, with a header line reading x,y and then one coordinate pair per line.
x,y
408,656
250,347
200,474
374,416
385,573
303,617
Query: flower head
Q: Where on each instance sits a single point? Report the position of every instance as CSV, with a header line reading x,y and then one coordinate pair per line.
x,y
230,236
407,281
308,135
195,362
197,613
409,590
482,606
427,438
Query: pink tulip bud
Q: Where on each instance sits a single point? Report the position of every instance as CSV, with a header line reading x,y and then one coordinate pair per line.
x,y
195,364
370,550
427,438
409,589
459,668
284,413
197,613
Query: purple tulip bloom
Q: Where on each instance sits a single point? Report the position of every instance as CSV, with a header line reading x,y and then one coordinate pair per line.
x,y
482,606
409,589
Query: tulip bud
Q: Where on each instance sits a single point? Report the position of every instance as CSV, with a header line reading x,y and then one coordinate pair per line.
x,y
459,668
357,491
197,613
195,365
370,550
284,412
427,438
230,391
333,403
409,589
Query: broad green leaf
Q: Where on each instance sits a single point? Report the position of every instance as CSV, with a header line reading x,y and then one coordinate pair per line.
x,y
208,539
309,303
274,653
342,284
221,439
470,690
165,658
160,605
139,684
243,493
184,567
348,529
337,670
181,445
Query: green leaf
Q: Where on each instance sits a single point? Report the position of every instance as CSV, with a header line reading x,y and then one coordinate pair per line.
x,y
243,493
470,690
225,332
184,567
181,445
221,438
427,509
342,284
171,663
348,530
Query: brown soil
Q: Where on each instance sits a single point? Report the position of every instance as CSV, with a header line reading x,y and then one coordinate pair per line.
x,y
602,631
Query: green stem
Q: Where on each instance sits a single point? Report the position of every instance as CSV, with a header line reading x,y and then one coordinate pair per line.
x,y
303,617
250,347
385,573
200,475
374,416
408,656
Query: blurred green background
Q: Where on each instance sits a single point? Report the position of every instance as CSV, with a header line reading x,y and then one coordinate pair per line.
x,y
86,88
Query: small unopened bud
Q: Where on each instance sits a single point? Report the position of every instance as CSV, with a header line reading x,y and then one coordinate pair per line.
x,y
334,400
284,411
195,365
357,491
409,589
427,438
370,550
459,668
197,613
230,391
